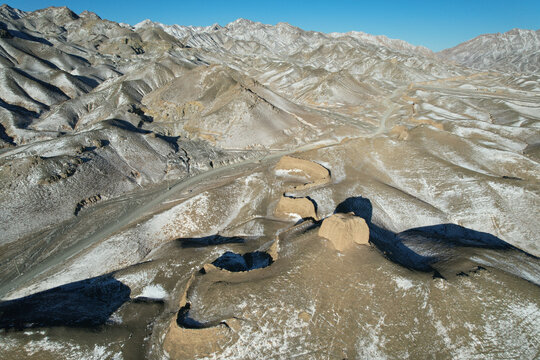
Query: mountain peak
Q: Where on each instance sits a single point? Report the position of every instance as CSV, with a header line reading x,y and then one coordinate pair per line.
x,y
145,23
89,14
7,12
61,14
240,22
215,27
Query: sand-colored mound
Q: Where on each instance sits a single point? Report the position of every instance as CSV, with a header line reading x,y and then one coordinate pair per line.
x,y
188,342
315,173
181,343
345,230
288,207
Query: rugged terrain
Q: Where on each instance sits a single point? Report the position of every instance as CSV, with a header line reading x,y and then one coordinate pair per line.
x,y
260,191
515,51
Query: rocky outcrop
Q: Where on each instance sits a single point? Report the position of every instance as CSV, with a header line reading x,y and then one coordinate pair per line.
x,y
86,202
182,343
187,338
288,207
344,231
315,173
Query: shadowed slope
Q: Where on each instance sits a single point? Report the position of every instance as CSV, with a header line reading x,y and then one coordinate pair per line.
x,y
445,249
86,303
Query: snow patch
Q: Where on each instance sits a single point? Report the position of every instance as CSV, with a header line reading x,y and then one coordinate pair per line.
x,y
154,292
403,283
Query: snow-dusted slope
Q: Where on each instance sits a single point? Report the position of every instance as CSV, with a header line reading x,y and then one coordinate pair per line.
x,y
517,50
133,159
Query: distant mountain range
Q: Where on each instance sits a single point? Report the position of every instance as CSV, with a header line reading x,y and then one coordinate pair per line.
x,y
514,51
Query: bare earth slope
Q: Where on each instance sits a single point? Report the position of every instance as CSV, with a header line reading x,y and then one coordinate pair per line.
x,y
164,191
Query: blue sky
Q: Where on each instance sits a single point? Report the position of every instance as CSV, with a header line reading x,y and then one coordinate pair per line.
x,y
435,24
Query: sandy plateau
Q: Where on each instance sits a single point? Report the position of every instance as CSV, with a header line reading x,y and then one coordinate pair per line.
x,y
264,192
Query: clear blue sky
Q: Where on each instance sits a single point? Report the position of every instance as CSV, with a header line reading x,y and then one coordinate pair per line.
x,y
435,24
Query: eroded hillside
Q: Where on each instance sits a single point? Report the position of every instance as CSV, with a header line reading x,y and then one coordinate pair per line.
x,y
259,191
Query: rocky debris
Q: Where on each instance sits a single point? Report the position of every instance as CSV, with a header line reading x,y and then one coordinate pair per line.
x,y
315,173
344,230
288,207
65,169
86,202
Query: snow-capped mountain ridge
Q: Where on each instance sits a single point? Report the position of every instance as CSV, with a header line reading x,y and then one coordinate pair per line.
x,y
517,50
247,30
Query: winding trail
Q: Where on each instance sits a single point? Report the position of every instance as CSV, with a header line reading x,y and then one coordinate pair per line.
x,y
391,107
142,209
